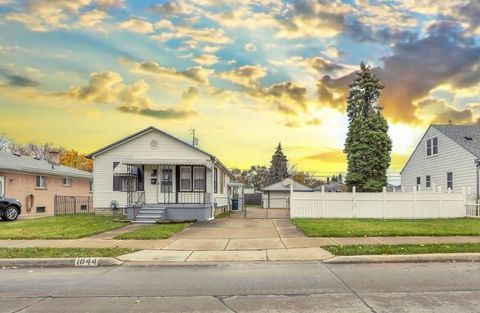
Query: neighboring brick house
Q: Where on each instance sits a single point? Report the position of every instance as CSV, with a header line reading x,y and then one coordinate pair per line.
x,y
35,182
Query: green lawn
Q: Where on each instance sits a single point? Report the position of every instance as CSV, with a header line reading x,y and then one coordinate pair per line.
x,y
155,231
223,214
377,227
58,227
13,253
402,249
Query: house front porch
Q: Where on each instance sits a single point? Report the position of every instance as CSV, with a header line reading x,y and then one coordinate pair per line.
x,y
175,190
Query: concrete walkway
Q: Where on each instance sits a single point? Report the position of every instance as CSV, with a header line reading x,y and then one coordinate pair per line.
x,y
230,239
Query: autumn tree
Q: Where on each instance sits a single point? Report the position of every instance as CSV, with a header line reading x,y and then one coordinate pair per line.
x,y
76,160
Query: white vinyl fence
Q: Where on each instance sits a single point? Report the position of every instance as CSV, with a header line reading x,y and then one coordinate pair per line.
x,y
384,205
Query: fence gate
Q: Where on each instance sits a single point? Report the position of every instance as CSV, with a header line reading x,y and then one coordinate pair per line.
x,y
65,205
278,209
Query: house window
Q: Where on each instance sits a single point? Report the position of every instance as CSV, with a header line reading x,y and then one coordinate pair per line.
x,y
41,182
67,182
41,209
91,186
185,178
450,180
215,180
198,178
428,181
222,182
167,180
432,146
127,183
116,179
419,182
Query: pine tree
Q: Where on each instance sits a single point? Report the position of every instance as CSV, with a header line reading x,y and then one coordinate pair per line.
x,y
368,145
278,166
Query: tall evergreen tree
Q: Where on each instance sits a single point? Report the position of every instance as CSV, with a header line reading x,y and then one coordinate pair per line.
x,y
368,145
278,170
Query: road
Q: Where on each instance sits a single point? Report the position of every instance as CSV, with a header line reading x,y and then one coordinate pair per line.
x,y
260,287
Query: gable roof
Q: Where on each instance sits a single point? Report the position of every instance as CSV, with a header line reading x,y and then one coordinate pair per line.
x,y
149,129
457,134
460,133
280,186
13,162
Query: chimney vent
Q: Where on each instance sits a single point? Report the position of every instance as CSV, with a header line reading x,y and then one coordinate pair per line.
x,y
54,157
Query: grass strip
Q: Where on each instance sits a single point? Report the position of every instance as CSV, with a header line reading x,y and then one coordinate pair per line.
x,y
403,249
154,231
14,253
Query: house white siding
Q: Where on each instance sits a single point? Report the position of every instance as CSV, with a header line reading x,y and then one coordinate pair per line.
x,y
451,157
138,148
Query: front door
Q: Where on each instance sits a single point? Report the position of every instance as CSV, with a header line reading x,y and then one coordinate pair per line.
x,y
166,184
2,186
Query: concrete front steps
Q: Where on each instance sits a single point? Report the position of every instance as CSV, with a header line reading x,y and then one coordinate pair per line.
x,y
150,215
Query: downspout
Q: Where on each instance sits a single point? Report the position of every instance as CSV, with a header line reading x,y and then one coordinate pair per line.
x,y
212,188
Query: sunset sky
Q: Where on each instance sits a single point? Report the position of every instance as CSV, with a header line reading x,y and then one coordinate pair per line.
x,y
246,74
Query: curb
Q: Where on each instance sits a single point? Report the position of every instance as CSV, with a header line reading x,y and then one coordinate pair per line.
x,y
410,258
61,262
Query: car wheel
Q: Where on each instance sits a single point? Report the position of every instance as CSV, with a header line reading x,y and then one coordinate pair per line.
x,y
10,214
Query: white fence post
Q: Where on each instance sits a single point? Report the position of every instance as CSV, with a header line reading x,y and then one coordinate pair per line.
x,y
323,201
414,202
384,202
291,199
433,188
354,202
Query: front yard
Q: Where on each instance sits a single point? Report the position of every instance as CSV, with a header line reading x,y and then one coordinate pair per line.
x,y
155,231
58,227
377,227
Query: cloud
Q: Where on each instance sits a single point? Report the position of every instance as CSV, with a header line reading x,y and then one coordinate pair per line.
x,y
247,75
196,74
194,36
250,47
137,25
206,59
437,111
92,18
415,68
16,80
108,88
329,156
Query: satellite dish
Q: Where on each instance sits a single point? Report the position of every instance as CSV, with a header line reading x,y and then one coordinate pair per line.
x,y
287,182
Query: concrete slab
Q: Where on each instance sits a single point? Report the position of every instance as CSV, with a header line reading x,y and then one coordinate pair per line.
x,y
301,254
459,239
34,243
114,233
16,304
226,233
290,232
283,223
255,244
223,256
407,240
156,256
198,244
356,241
92,243
307,304
307,242
144,244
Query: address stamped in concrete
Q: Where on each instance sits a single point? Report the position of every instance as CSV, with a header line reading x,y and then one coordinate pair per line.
x,y
86,262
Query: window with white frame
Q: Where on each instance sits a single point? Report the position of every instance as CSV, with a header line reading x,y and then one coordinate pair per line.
x,y
432,146
67,182
41,182
198,178
428,181
419,182
185,178
450,180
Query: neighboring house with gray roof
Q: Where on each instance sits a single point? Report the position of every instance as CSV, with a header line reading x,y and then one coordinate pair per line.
x,y
277,196
444,157
36,182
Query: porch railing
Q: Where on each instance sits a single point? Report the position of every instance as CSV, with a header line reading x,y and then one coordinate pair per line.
x,y
185,197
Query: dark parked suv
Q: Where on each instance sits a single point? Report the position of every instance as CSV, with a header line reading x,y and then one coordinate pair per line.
x,y
10,209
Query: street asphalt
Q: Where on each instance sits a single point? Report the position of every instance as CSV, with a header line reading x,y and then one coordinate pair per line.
x,y
248,287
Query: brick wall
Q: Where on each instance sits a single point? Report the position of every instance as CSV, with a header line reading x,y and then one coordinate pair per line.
x,y
21,185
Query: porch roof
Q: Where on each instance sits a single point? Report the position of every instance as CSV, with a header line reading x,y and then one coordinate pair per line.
x,y
203,162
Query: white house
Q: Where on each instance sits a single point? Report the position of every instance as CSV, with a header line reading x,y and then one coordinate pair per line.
x,y
277,196
156,176
444,157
